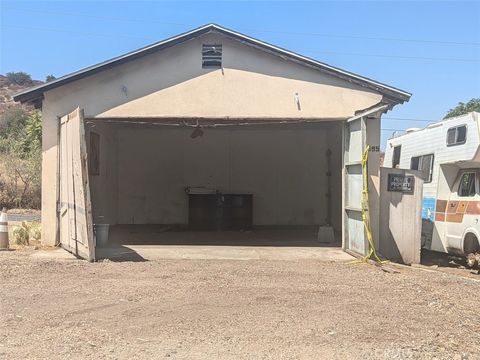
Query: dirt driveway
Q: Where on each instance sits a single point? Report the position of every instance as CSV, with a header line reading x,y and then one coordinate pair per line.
x,y
232,309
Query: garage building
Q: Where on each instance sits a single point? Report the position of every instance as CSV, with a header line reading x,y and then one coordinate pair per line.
x,y
209,130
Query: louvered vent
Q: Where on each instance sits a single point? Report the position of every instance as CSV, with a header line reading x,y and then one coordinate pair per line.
x,y
211,56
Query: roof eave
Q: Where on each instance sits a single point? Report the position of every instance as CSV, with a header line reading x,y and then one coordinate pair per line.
x,y
390,92
37,91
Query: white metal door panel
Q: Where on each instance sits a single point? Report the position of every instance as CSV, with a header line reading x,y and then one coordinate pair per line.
x,y
354,235
75,214
356,230
354,183
355,144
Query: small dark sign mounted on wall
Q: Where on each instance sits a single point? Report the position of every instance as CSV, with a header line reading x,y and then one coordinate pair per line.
x,y
401,183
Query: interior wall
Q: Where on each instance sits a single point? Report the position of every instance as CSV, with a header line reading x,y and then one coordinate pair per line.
x,y
104,186
335,144
284,167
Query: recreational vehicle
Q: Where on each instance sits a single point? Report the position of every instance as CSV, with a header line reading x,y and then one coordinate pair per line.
x,y
448,154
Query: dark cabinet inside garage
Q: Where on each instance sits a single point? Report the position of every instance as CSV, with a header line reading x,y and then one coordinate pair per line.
x,y
220,211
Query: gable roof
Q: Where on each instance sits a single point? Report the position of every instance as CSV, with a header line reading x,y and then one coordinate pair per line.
x,y
36,93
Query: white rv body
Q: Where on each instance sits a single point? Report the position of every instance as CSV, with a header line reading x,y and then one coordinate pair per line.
x,y
448,153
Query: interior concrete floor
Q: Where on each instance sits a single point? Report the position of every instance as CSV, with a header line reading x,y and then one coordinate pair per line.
x,y
149,242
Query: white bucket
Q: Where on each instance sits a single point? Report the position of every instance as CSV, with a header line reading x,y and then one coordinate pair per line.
x,y
101,232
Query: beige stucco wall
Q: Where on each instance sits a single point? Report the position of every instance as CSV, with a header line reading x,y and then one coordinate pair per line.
x,y
401,219
49,173
172,83
234,93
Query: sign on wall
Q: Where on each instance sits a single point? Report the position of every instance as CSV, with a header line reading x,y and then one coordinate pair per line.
x,y
400,183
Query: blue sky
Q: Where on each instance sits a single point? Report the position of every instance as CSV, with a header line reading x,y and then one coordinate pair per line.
x,y
431,49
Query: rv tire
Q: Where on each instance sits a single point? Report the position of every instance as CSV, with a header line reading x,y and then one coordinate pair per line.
x,y
470,244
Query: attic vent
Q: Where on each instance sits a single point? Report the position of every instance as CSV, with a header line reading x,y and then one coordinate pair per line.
x,y
211,56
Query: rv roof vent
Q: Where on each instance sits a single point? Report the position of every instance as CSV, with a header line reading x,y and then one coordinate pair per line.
x,y
410,130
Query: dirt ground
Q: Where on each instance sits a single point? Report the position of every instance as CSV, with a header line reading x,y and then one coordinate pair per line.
x,y
232,309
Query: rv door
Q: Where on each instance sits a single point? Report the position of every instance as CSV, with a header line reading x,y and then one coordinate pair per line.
x,y
462,213
74,210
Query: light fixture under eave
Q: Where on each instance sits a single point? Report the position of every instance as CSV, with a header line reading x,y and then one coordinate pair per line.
x,y
297,101
197,132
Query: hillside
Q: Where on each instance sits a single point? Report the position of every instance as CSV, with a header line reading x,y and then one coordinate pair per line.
x,y
8,90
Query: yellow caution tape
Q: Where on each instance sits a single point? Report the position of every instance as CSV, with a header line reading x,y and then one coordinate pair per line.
x,y
372,253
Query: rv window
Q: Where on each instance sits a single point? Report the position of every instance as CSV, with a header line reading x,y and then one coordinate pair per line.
x,y
396,156
451,136
425,164
427,167
457,135
461,134
414,162
467,185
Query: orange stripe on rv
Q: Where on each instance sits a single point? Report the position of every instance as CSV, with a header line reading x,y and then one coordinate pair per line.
x,y
441,206
473,207
454,218
439,216
452,207
462,207
453,211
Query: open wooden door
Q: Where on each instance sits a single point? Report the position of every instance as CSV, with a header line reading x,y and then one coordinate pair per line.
x,y
354,235
74,210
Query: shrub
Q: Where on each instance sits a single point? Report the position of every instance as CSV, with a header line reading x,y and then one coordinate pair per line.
x,y
33,133
36,232
20,185
21,234
28,230
12,123
20,159
19,78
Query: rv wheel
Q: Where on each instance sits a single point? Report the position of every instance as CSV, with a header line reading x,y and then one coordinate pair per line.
x,y
470,244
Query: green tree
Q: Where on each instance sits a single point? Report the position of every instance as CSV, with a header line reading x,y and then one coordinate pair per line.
x,y
464,108
12,123
20,131
33,133
20,158
50,78
19,78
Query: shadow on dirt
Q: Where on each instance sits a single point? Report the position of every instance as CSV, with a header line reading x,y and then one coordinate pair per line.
x,y
432,258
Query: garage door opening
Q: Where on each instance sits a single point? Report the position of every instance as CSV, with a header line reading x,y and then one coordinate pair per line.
x,y
269,184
